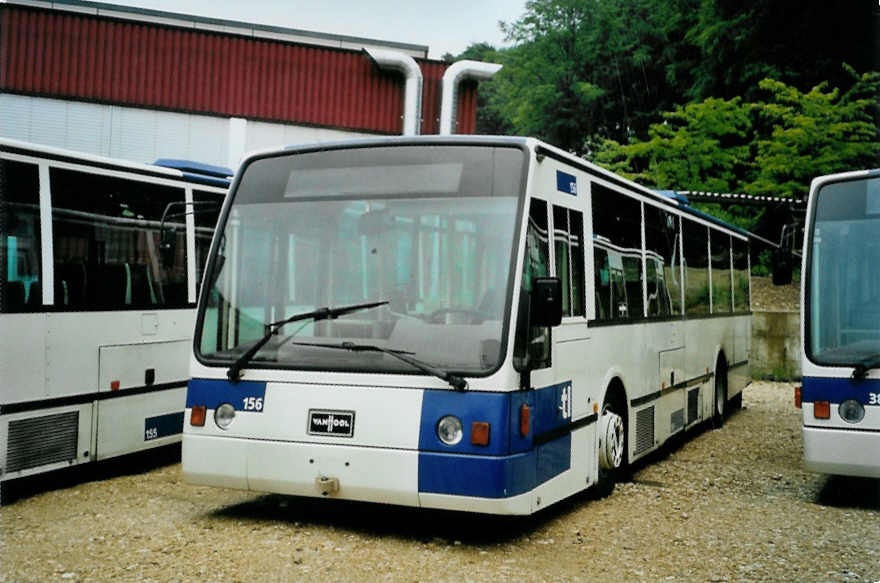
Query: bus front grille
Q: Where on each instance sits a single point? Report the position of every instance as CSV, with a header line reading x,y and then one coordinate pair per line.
x,y
644,429
42,440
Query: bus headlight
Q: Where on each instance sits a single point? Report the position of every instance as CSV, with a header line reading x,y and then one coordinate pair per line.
x,y
851,411
449,430
223,415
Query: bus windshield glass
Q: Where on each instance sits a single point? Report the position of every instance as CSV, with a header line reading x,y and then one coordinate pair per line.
x,y
429,230
843,319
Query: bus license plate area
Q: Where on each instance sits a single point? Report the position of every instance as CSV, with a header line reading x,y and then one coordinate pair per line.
x,y
331,423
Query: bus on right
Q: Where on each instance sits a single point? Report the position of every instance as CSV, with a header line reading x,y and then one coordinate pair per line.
x,y
840,304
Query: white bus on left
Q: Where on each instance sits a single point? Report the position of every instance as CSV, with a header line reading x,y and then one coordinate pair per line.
x,y
95,318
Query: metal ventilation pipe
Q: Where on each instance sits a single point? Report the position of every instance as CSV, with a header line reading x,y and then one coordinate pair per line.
x,y
456,73
412,95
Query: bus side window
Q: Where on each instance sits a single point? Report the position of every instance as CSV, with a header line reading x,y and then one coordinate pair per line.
x,y
205,216
568,237
658,301
602,272
533,345
696,250
661,247
617,228
20,255
537,260
722,300
740,276
106,242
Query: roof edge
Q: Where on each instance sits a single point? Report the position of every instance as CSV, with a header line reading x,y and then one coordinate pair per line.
x,y
209,24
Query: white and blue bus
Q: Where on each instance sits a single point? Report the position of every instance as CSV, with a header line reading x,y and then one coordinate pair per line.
x,y
840,304
472,323
96,319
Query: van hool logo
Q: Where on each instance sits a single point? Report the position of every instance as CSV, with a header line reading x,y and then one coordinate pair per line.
x,y
335,423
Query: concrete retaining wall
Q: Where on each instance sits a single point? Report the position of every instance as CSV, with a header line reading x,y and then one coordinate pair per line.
x,y
776,345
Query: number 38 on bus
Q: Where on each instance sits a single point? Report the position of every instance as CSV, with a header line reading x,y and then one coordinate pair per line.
x,y
469,323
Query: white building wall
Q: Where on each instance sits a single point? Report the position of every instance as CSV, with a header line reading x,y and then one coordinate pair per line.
x,y
144,135
266,135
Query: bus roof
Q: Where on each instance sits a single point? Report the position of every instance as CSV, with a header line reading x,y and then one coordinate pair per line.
x,y
685,206
183,170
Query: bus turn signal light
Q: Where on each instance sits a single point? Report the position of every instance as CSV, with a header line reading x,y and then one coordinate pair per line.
x,y
797,397
480,433
525,420
197,415
822,410
114,385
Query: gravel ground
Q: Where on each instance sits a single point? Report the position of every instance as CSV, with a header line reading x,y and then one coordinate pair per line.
x,y
724,505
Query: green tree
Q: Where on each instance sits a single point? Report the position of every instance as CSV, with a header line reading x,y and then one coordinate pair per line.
x,y
805,135
581,71
587,68
700,146
773,146
740,42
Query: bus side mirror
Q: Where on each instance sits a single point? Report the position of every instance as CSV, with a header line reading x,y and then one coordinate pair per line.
x,y
781,265
546,300
167,246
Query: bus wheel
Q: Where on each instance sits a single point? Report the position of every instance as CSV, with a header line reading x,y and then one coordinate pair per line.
x,y
612,448
720,400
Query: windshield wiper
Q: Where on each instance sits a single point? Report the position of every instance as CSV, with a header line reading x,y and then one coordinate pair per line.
x,y
866,364
455,381
234,372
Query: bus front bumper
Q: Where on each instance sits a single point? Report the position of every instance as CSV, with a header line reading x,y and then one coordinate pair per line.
x,y
369,474
847,452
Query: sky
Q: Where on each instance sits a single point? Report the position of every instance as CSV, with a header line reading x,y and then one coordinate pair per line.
x,y
443,25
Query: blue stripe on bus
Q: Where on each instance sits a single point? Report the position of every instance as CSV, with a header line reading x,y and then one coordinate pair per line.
x,y
482,476
213,392
511,464
490,476
837,390
553,458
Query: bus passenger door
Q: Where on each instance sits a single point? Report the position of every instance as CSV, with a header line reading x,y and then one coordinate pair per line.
x,y
554,356
664,302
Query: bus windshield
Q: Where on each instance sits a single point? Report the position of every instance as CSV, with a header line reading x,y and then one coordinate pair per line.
x,y
431,231
843,319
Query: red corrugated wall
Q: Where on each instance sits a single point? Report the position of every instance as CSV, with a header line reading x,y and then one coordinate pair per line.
x,y
63,55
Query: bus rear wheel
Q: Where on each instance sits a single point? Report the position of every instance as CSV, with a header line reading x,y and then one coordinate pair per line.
x,y
611,447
